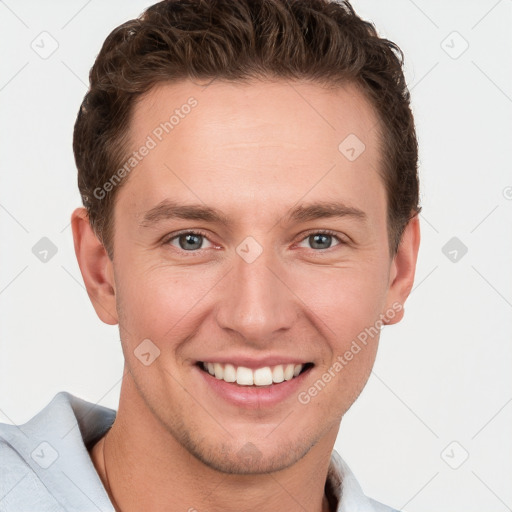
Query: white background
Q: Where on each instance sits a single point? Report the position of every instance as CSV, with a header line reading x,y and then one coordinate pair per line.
x,y
442,375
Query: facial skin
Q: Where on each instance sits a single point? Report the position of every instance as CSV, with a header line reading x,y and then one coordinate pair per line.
x,y
253,152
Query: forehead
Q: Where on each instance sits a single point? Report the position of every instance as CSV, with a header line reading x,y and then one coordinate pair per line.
x,y
258,110
241,144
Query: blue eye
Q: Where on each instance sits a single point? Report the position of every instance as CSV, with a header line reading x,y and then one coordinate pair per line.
x,y
188,241
193,241
322,240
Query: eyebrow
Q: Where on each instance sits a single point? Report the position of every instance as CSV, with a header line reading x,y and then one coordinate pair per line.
x,y
321,210
168,209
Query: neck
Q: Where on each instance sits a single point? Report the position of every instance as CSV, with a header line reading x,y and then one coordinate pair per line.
x,y
143,467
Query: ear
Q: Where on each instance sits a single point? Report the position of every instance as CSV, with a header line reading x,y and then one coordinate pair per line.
x,y
96,267
401,275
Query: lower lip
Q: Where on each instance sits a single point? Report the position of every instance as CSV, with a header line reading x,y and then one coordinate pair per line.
x,y
254,397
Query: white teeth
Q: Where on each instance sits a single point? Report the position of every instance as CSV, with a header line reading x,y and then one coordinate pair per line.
x,y
247,377
288,371
219,371
263,376
278,374
244,376
229,373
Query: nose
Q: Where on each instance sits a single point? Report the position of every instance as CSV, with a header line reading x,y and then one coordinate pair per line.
x,y
255,301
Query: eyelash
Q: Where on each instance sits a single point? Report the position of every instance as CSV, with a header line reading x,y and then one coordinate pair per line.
x,y
333,234
328,232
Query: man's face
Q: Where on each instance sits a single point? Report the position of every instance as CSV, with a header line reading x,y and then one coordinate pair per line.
x,y
257,285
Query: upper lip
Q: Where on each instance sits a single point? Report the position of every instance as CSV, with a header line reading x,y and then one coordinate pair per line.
x,y
253,363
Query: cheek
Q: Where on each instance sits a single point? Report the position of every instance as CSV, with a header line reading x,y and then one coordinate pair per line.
x,y
342,301
344,305
157,301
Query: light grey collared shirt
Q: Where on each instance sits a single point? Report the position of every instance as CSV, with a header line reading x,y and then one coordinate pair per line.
x,y
45,464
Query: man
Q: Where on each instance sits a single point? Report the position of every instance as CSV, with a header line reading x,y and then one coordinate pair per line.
x,y
249,176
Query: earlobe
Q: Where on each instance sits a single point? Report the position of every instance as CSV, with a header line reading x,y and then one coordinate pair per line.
x,y
95,266
402,271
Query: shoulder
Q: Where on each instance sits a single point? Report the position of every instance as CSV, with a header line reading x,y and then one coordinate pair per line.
x,y
21,454
20,487
44,463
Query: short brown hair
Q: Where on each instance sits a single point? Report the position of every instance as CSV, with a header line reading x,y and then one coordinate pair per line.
x,y
319,40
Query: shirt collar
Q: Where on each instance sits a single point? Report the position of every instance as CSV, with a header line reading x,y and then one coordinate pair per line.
x,y
343,489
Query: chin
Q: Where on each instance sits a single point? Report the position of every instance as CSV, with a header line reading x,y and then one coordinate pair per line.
x,y
250,459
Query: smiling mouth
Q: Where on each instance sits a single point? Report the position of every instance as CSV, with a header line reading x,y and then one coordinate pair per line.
x,y
265,376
